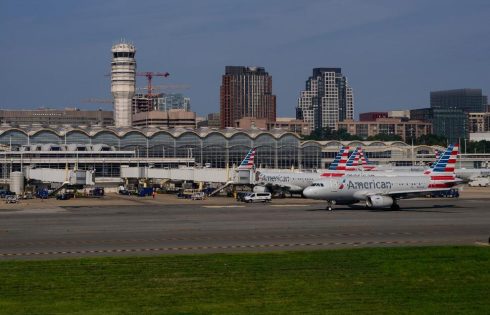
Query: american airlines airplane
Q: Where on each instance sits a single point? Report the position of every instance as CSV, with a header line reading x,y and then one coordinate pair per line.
x,y
464,174
382,190
297,182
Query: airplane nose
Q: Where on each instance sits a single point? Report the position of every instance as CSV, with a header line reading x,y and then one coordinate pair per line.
x,y
309,192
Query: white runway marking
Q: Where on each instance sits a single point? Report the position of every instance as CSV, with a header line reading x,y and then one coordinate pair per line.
x,y
289,205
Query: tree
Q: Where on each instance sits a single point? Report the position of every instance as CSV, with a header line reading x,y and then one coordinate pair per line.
x,y
322,134
384,137
482,146
431,139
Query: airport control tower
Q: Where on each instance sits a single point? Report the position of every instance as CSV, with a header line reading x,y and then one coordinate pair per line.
x,y
123,82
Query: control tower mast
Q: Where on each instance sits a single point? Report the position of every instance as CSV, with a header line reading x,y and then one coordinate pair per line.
x,y
123,82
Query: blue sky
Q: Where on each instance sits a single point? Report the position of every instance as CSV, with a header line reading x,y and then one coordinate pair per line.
x,y
393,52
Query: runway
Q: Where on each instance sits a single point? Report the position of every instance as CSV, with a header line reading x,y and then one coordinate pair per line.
x,y
150,229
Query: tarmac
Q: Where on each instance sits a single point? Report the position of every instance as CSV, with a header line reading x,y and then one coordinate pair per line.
x,y
128,225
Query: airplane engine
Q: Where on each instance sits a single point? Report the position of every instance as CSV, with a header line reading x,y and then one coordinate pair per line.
x,y
377,201
260,189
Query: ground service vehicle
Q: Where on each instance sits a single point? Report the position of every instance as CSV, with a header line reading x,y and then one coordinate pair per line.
x,y
145,192
97,192
258,197
479,182
11,199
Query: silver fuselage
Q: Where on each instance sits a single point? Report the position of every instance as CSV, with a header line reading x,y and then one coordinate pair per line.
x,y
353,188
294,182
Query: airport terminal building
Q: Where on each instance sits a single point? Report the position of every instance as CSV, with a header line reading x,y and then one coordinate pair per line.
x,y
105,149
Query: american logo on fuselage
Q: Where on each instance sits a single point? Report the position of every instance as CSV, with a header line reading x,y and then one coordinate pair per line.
x,y
367,185
274,178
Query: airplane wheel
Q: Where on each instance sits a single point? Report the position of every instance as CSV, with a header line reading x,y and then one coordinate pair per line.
x,y
395,206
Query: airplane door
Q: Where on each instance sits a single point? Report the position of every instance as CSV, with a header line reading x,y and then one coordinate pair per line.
x,y
334,187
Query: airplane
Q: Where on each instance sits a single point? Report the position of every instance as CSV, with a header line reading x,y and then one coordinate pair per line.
x,y
366,166
345,161
464,174
297,182
382,190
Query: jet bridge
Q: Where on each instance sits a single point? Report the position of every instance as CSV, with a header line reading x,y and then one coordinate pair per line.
x,y
49,175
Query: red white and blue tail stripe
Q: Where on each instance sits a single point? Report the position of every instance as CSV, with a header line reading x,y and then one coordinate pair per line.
x,y
442,173
338,166
353,161
364,161
447,161
340,159
248,161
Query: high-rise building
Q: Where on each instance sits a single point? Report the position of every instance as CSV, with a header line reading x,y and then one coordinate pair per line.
x,y
469,100
246,92
160,102
326,100
423,114
450,111
140,103
123,82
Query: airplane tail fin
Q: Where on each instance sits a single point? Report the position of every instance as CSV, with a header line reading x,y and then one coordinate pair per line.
x,y
340,160
248,161
363,157
447,160
353,160
442,173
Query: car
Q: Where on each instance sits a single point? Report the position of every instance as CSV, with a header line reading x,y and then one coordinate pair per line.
x,y
258,197
241,195
198,196
11,199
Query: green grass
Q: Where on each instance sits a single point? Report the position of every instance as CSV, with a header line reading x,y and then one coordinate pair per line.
x,y
431,280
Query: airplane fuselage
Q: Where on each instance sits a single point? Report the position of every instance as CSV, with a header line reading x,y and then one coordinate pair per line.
x,y
293,182
352,188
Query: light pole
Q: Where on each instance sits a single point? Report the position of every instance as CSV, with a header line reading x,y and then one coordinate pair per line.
x,y
411,137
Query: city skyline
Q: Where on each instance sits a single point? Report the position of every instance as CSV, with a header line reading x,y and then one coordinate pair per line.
x,y
394,52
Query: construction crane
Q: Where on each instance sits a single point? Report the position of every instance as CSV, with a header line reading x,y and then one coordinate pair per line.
x,y
149,76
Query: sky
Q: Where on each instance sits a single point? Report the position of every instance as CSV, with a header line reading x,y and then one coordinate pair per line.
x,y
393,52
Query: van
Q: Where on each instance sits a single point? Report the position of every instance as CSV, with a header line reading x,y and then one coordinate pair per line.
x,y
479,182
258,197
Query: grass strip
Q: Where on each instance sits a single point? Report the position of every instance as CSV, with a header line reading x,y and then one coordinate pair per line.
x,y
408,280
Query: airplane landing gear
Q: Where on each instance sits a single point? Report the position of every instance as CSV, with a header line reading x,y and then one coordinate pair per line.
x,y
330,204
395,206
